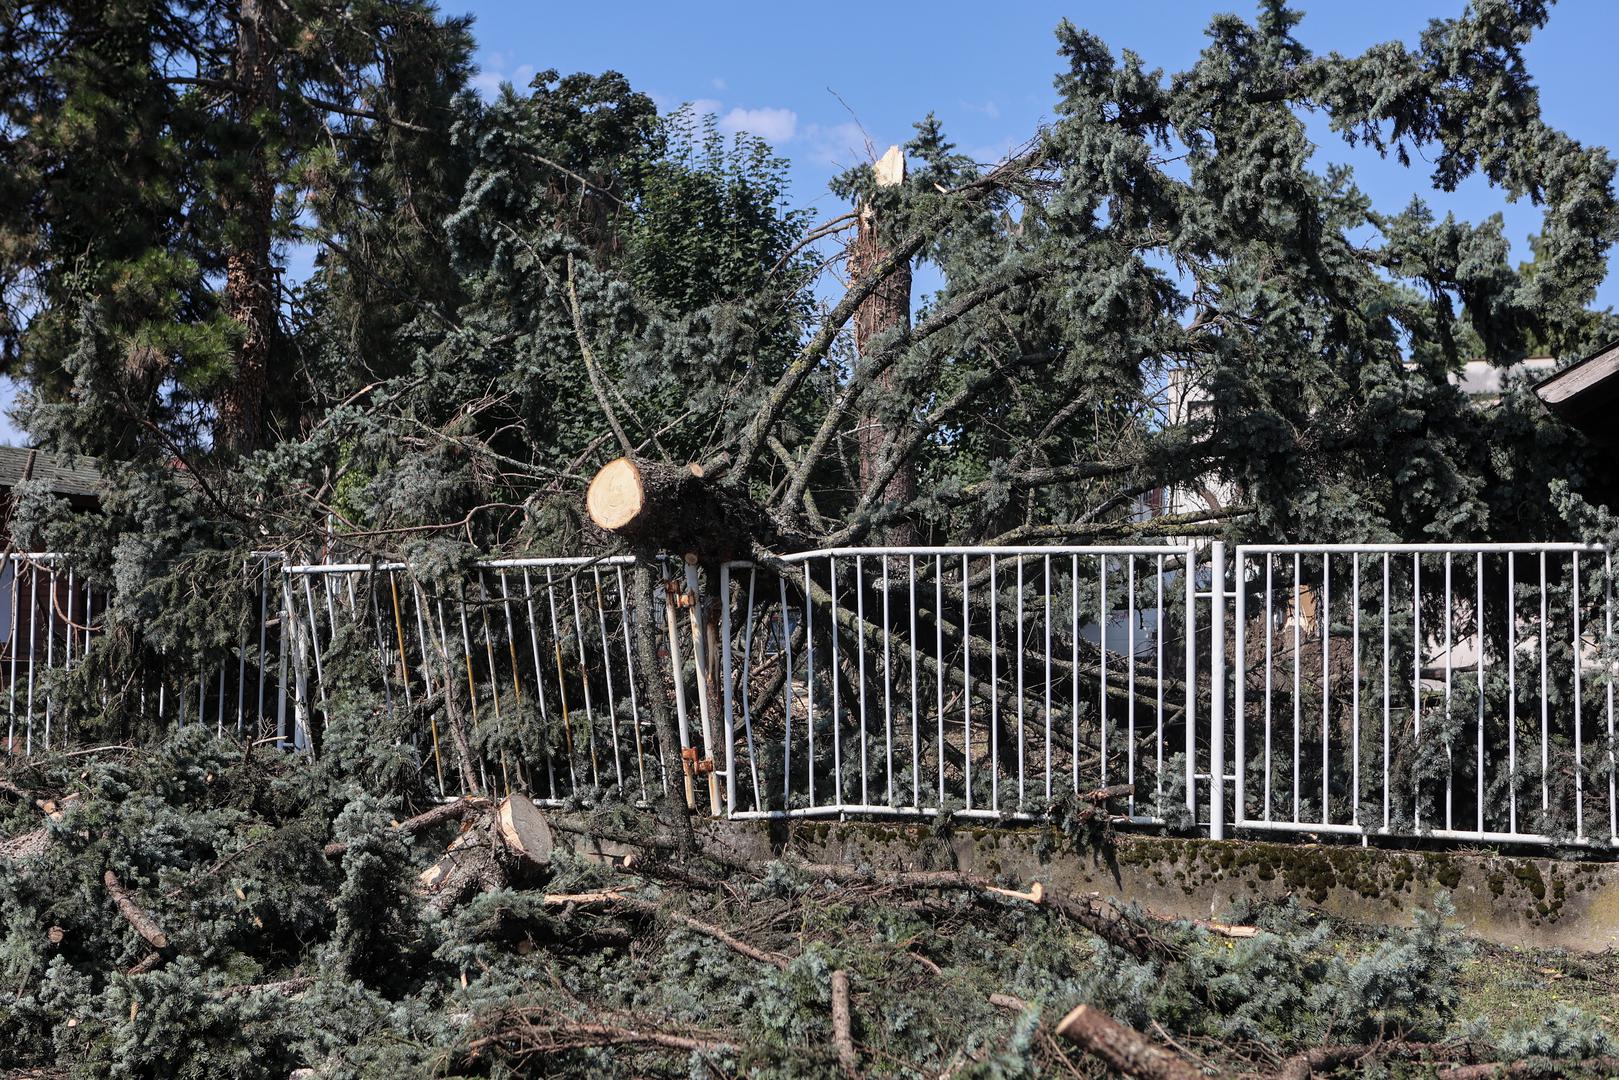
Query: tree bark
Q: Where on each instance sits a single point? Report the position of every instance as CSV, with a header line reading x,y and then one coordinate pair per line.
x,y
888,308
250,284
135,915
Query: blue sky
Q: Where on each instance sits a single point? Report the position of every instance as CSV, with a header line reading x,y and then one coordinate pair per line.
x,y
818,80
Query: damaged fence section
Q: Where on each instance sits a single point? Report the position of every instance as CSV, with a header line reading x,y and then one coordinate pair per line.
x,y
1463,692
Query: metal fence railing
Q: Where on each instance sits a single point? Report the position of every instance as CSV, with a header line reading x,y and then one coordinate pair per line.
x,y
985,681
516,674
1463,692
1456,691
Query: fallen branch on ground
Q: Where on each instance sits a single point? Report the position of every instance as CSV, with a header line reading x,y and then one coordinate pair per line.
x,y
135,915
450,811
1122,1047
842,1037
1092,912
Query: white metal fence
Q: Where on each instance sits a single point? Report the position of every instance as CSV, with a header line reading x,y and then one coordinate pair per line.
x,y
1463,692
1457,691
985,681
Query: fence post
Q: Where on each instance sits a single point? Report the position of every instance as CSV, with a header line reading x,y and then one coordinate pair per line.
x,y
725,683
1217,692
1190,574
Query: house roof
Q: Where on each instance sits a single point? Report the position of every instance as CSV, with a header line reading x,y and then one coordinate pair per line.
x,y
1586,392
65,474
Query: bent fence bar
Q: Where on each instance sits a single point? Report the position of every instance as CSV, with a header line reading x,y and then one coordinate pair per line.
x,y
1463,692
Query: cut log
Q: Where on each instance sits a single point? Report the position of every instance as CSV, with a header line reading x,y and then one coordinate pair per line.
x,y
635,498
511,841
524,829
674,508
1123,1047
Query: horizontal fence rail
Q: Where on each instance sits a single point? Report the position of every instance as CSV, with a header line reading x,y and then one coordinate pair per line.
x,y
1460,692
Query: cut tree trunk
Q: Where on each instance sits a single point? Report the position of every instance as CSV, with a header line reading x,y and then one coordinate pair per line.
x,y
135,915
496,850
888,308
672,508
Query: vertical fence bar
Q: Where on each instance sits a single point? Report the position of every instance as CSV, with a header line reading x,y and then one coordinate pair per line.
x,y
1478,623
726,678
1512,696
809,683
1046,590
1324,616
1270,664
1073,709
1450,662
1217,592
1577,661
1158,773
860,676
1545,700
994,690
938,644
1388,700
1191,679
1239,791
1130,676
1416,681
1607,667
1354,694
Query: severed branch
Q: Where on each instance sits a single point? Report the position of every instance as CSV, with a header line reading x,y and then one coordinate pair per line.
x,y
589,357
450,811
135,915
1123,1047
533,1032
1327,1059
614,898
842,1038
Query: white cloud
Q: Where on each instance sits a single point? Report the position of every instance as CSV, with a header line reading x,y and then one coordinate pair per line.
x,y
496,70
772,125
987,108
842,145
705,106
719,84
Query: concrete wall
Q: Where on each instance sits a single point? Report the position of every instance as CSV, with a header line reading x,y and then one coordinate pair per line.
x,y
1509,900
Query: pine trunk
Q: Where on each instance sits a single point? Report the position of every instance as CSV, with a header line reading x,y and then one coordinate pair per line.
x,y
249,274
